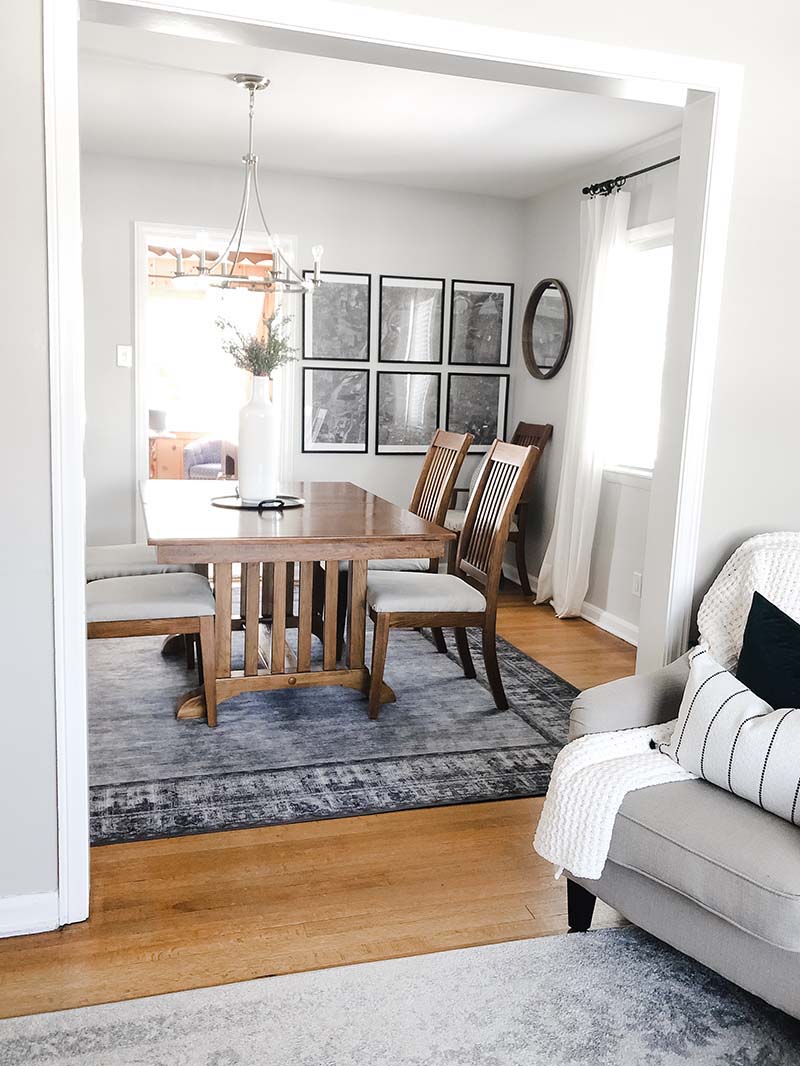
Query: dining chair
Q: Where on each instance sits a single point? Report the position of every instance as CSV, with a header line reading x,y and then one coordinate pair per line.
x,y
136,560
157,605
429,500
467,597
527,434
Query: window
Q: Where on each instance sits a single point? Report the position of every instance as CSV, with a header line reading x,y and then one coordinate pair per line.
x,y
633,397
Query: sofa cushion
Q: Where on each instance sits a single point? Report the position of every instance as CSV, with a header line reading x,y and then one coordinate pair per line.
x,y
127,560
729,736
129,599
769,662
729,856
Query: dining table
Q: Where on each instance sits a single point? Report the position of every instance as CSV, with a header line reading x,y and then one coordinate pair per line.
x,y
289,562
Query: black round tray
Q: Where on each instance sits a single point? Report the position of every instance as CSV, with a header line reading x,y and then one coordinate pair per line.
x,y
280,503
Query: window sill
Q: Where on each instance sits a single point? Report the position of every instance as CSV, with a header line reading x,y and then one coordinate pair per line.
x,y
632,477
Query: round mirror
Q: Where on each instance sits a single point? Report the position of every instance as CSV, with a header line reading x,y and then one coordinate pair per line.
x,y
547,328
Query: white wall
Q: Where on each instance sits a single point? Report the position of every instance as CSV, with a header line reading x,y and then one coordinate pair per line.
x,y
364,227
28,865
552,249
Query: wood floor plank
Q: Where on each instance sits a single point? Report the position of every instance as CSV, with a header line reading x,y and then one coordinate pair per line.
x,y
195,911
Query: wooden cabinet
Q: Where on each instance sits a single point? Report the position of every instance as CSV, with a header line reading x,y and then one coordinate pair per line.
x,y
166,457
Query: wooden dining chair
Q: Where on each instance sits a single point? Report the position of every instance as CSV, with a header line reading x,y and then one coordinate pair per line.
x,y
158,605
527,434
429,500
468,597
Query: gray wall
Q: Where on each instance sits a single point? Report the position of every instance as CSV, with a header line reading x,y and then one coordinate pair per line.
x,y
551,242
369,228
27,750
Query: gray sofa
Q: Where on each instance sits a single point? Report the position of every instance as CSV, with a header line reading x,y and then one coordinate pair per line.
x,y
709,873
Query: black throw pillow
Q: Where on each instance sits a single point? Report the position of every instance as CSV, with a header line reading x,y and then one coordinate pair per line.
x,y
769,663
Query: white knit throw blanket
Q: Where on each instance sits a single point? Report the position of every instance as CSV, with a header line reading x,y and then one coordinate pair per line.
x,y
591,777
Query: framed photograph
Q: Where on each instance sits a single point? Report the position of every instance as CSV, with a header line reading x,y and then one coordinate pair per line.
x,y
335,409
336,317
480,323
411,320
408,412
478,404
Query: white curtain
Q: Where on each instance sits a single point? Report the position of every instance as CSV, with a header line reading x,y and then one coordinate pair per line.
x,y
564,577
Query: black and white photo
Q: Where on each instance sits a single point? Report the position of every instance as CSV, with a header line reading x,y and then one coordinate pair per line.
x,y
480,323
408,412
335,409
411,319
477,404
336,318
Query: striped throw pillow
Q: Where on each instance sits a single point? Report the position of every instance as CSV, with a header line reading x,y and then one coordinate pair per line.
x,y
729,736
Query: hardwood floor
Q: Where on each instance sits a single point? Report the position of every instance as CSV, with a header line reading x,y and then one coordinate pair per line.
x,y
204,910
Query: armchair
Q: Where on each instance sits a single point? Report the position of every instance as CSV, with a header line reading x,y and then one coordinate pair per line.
x,y
209,459
709,873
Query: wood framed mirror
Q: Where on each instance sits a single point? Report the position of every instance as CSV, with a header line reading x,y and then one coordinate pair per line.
x,y
547,328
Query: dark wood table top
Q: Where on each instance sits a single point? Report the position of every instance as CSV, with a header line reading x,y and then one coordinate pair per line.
x,y
339,521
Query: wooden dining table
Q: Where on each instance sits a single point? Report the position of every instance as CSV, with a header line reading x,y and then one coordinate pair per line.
x,y
277,552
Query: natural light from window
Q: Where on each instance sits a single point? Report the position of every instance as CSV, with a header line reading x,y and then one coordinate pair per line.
x,y
631,415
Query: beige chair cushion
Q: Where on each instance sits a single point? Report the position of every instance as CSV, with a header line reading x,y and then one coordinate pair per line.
x,y
418,565
421,593
131,599
128,560
726,854
454,521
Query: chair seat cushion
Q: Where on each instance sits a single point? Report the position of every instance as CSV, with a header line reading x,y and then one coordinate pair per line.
x,y
128,560
418,565
454,521
729,856
205,471
128,599
421,593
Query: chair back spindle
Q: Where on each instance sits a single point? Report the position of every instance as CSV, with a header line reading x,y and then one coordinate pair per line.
x,y
437,478
491,505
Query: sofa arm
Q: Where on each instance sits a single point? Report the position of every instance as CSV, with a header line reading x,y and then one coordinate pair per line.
x,y
630,702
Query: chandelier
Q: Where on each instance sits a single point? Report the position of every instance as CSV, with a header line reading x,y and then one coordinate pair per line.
x,y
281,276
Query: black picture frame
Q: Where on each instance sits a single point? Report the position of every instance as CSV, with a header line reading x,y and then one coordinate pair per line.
x,y
506,288
459,423
420,448
360,447
433,284
308,318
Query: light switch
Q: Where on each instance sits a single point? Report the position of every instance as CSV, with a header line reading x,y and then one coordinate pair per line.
x,y
124,355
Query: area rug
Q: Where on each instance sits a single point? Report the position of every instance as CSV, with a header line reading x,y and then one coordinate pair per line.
x,y
612,997
308,754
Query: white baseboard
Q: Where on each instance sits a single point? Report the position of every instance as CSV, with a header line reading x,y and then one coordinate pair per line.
x,y
611,623
28,914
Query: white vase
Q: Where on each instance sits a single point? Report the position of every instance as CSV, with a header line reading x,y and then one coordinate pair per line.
x,y
258,445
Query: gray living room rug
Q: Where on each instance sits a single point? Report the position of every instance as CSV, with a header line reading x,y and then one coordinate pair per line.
x,y
613,997
305,755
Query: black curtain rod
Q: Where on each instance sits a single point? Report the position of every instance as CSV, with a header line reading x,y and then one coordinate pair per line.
x,y
605,188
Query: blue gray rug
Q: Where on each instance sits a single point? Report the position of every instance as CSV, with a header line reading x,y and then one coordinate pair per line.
x,y
613,997
304,755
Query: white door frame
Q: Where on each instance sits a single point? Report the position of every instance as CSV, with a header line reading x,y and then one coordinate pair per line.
x,y
404,40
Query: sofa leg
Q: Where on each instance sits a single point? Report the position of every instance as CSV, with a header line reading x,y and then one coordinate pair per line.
x,y
580,907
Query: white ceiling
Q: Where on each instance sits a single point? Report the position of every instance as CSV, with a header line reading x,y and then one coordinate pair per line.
x,y
164,97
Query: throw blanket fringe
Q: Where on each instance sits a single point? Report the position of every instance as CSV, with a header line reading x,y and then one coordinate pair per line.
x,y
591,777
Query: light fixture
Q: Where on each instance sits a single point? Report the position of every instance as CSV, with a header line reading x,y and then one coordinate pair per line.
x,y
282,275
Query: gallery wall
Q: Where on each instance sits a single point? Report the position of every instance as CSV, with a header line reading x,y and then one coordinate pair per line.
x,y
371,228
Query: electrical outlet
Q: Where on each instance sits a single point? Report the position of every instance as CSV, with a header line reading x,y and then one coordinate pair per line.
x,y
124,355
636,588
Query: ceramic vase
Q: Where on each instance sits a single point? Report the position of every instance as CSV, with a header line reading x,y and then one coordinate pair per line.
x,y
258,445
